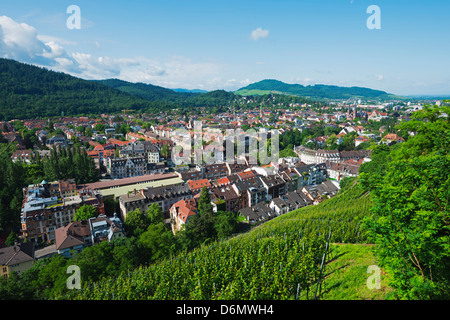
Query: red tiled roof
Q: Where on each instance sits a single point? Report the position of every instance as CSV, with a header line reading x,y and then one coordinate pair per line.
x,y
117,142
223,181
195,185
185,209
246,174
393,136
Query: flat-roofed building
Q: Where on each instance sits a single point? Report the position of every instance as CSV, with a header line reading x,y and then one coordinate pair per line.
x,y
46,208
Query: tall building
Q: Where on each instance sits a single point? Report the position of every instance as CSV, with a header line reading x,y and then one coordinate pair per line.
x,y
49,206
119,168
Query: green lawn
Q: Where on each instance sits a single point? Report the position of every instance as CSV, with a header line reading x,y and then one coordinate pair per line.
x,y
346,274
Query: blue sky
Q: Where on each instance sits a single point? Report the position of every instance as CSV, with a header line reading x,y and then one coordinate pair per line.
x,y
209,45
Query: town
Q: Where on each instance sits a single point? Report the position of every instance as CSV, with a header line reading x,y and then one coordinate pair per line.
x,y
320,147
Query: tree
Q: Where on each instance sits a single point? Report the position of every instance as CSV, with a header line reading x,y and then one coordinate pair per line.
x,y
154,214
348,142
11,239
85,212
410,222
204,203
288,152
331,142
88,132
157,241
100,127
200,228
136,222
165,151
226,224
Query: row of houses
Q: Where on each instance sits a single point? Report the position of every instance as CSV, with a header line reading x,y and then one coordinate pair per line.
x,y
251,188
310,156
288,202
78,235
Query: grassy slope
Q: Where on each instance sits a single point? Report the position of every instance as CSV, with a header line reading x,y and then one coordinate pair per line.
x,y
345,272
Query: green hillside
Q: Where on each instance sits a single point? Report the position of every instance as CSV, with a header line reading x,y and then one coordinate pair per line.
x,y
28,91
317,91
164,96
280,259
146,91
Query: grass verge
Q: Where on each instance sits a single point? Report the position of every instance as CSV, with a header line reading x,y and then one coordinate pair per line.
x,y
345,275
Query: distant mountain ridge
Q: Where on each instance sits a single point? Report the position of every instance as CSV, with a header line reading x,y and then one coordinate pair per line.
x,y
318,91
147,91
190,90
28,91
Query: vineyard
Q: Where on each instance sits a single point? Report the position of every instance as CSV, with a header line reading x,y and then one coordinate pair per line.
x,y
279,260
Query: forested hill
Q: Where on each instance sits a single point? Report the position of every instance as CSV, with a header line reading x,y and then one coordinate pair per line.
x,y
164,96
313,92
147,91
27,91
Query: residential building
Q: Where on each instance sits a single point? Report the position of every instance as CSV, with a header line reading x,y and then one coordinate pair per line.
x,y
289,202
56,141
318,193
258,213
311,174
105,228
47,207
227,194
250,192
22,156
196,186
274,185
138,148
73,238
119,168
78,235
164,196
338,171
17,258
392,137
180,212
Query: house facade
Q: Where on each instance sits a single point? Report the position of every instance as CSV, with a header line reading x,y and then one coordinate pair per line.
x,y
119,168
17,258
49,206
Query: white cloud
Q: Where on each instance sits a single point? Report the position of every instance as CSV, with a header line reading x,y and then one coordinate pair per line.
x,y
22,42
259,33
47,38
379,77
18,40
